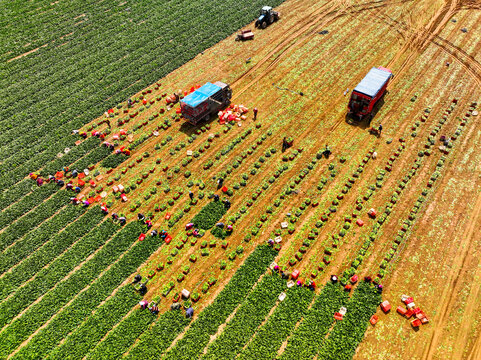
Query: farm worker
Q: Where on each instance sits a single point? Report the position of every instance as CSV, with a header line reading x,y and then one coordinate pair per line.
x,y
220,225
77,189
284,144
51,178
65,169
229,228
108,123
129,102
122,220
227,203
153,233
74,200
104,209
191,195
39,181
69,186
85,203
380,129
255,113
327,151
141,217
195,232
374,155
219,183
149,224
115,216
60,183
216,197
33,176
270,242
84,135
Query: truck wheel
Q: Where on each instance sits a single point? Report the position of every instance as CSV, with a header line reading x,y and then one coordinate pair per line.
x,y
257,24
264,24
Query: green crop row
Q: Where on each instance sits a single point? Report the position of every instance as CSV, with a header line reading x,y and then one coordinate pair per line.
x,y
18,209
119,340
11,258
76,159
152,343
14,171
73,155
87,335
114,160
26,223
95,156
84,303
307,338
348,333
247,319
209,215
19,190
279,326
209,320
49,276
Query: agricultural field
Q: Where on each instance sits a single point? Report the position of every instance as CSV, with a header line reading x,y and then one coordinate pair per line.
x,y
257,250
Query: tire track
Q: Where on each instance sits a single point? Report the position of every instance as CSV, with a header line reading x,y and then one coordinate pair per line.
x,y
449,294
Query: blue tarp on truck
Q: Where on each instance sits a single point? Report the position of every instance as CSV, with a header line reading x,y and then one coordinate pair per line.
x,y
201,94
373,82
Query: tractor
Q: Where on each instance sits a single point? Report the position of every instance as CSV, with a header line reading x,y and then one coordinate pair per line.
x,y
267,17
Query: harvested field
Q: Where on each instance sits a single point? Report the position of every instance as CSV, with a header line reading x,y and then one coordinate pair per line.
x,y
67,270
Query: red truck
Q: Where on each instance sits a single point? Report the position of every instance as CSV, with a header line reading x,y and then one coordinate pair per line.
x,y
368,92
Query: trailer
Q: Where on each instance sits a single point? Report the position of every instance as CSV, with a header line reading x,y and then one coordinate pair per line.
x,y
205,101
245,35
368,92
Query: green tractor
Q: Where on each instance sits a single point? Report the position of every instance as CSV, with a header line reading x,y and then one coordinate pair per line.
x,y
267,17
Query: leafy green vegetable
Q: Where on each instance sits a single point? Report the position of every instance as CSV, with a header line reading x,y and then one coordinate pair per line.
x,y
209,215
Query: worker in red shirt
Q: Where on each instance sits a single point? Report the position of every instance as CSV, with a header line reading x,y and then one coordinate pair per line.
x,y
255,114
149,224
